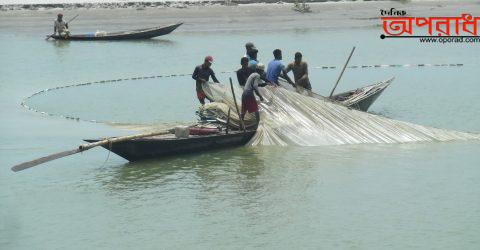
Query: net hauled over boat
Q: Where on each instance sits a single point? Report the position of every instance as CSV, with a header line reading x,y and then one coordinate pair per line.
x,y
289,118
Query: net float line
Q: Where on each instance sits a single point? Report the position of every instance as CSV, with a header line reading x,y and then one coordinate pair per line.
x,y
136,78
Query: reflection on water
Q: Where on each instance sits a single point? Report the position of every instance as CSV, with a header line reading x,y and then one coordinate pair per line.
x,y
246,171
60,44
153,41
192,170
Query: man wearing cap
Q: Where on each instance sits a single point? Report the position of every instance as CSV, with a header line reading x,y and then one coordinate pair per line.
x,y
60,26
300,74
251,54
201,74
276,69
248,47
249,103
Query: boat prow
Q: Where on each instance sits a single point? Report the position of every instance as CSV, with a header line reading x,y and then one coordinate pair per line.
x,y
362,98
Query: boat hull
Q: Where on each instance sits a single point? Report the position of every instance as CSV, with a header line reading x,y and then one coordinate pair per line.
x,y
158,147
362,98
126,35
364,104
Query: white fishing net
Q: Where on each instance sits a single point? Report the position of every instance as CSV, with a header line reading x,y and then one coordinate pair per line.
x,y
289,118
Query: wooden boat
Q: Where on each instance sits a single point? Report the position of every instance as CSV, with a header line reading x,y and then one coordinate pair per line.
x,y
362,98
169,145
124,35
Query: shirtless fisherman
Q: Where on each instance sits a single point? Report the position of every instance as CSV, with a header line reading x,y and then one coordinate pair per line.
x,y
300,74
249,103
60,26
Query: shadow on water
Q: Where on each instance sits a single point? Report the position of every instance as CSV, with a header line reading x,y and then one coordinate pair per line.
x,y
60,44
244,175
153,42
194,171
236,165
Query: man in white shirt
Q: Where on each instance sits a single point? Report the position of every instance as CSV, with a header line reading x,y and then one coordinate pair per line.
x,y
249,103
60,26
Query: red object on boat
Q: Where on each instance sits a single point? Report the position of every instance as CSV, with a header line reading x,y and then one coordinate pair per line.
x,y
203,131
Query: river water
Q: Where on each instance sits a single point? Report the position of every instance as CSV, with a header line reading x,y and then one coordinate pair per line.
x,y
418,195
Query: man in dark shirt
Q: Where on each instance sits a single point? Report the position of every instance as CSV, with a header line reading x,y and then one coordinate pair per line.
x,y
244,72
201,74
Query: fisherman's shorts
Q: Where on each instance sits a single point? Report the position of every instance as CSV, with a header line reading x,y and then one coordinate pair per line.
x,y
305,84
249,103
201,95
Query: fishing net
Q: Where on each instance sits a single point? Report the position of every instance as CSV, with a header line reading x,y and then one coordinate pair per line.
x,y
290,118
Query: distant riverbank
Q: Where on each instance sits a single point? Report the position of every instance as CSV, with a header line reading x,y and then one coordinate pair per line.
x,y
8,5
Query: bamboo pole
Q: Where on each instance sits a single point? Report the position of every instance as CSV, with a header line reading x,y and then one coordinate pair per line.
x,y
228,121
236,106
340,76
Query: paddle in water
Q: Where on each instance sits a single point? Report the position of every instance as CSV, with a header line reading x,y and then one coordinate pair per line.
x,y
85,147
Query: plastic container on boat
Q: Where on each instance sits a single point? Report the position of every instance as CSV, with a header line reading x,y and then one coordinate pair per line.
x,y
181,132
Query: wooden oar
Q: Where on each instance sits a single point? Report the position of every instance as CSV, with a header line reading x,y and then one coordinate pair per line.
x,y
340,76
73,18
236,106
84,147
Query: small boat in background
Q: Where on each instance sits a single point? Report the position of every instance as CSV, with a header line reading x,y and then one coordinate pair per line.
x,y
124,35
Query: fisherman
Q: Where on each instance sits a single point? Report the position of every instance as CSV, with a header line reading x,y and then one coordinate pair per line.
x,y
253,61
249,47
249,103
202,74
300,74
251,54
276,69
60,26
244,72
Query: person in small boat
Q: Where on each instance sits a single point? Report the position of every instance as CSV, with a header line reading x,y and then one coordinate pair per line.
x,y
276,69
60,26
300,74
201,74
249,103
244,72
